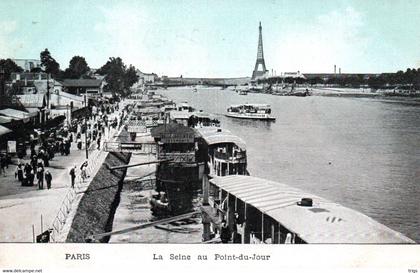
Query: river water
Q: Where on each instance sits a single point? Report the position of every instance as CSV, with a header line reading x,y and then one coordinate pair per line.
x,y
363,153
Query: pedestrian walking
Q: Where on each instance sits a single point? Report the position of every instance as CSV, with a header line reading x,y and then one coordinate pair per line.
x,y
79,143
225,233
3,160
67,146
46,158
98,142
83,169
19,173
48,178
28,174
72,176
62,148
40,177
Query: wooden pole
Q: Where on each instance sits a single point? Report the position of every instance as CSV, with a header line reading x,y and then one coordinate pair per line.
x,y
205,189
262,227
33,233
220,204
227,210
245,235
42,226
279,234
273,234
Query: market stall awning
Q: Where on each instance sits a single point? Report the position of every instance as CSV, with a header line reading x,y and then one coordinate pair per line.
x,y
16,114
4,130
4,119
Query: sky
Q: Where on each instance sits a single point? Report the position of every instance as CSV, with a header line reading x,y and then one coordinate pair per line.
x,y
218,38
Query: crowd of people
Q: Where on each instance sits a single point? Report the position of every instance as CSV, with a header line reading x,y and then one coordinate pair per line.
x,y
57,141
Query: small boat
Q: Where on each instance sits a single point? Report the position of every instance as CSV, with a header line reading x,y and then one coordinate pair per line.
x,y
195,89
250,111
160,205
184,106
243,92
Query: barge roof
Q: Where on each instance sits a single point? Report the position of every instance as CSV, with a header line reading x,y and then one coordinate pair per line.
x,y
325,222
215,135
258,105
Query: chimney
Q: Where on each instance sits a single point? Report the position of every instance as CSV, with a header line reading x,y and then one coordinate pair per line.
x,y
335,69
339,70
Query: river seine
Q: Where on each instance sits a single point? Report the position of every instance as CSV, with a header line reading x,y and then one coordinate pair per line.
x,y
363,153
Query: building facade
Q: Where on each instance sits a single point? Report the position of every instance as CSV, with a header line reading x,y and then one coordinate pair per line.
x,y
28,64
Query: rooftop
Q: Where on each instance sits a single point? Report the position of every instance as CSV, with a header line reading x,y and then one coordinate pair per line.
x,y
82,82
324,222
215,135
32,100
173,129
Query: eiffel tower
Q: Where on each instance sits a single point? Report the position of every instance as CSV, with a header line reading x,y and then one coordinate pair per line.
x,y
260,58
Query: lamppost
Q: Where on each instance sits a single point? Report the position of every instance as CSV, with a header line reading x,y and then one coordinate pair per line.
x,y
68,115
86,128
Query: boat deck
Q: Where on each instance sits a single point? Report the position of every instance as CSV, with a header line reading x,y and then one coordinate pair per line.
x,y
323,222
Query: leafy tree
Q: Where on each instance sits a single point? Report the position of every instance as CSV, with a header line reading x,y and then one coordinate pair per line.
x,y
78,67
376,82
131,76
36,70
119,79
49,63
8,66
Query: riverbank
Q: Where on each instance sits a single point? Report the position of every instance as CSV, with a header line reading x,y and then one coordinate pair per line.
x,y
364,92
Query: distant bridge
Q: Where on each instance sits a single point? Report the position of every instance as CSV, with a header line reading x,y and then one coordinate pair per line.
x,y
178,81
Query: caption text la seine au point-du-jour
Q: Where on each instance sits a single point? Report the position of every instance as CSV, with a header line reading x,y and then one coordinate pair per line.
x,y
213,257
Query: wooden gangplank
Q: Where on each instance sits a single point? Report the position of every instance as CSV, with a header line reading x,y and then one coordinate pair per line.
x,y
146,225
138,164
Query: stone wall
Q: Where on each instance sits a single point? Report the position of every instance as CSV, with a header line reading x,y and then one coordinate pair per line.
x,y
96,209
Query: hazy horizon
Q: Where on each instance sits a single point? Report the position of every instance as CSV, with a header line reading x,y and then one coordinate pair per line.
x,y
217,38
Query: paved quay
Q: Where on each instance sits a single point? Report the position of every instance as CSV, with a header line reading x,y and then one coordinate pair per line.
x,y
21,208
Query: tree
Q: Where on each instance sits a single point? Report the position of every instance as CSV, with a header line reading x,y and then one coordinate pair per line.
x,y
49,63
78,67
8,66
131,76
36,70
376,82
119,79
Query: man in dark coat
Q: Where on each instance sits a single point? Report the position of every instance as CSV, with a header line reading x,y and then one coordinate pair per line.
x,y
34,162
19,173
48,178
73,176
225,233
3,160
40,176
28,174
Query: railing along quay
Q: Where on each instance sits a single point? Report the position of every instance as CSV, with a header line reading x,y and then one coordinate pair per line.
x,y
95,161
80,185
